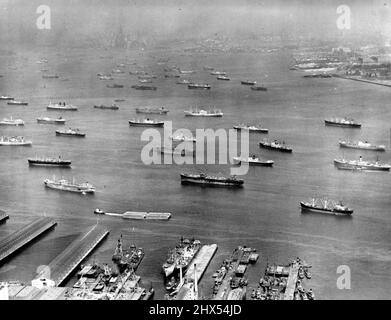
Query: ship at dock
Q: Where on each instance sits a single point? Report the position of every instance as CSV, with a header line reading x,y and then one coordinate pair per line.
x,y
49,162
14,141
61,106
70,133
202,86
47,120
127,259
180,257
203,113
361,164
152,110
211,181
275,145
250,128
342,122
361,145
11,122
71,186
325,206
145,123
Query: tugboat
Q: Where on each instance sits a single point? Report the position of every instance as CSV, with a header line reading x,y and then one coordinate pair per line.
x,y
223,78
203,113
248,82
47,120
258,88
152,110
11,122
112,107
61,106
14,141
199,86
360,164
361,145
17,103
146,123
342,122
253,161
70,133
251,128
65,185
275,145
143,87
211,181
328,206
49,162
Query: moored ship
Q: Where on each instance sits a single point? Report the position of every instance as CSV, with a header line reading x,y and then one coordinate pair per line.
x,y
248,82
206,180
223,78
71,133
6,98
275,145
361,145
325,206
112,107
17,103
360,164
199,86
14,141
11,122
65,185
61,106
47,120
152,110
146,123
218,73
342,122
203,113
251,128
49,162
253,161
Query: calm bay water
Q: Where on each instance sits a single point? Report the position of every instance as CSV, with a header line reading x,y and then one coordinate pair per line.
x,y
264,215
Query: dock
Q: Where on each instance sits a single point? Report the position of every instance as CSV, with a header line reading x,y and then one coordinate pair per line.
x,y
66,262
291,283
196,269
23,236
3,216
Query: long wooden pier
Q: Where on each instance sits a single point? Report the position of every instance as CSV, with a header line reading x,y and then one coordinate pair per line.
x,y
291,282
63,265
23,236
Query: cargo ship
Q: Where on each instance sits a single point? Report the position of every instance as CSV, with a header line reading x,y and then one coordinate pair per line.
x,y
360,164
361,145
248,82
203,113
145,123
11,122
14,141
275,145
49,162
47,120
180,257
211,181
70,133
251,128
127,259
61,106
253,161
112,107
143,87
258,88
152,110
65,185
342,122
199,86
17,103
325,206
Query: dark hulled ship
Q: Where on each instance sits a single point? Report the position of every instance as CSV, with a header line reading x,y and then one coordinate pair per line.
x,y
210,181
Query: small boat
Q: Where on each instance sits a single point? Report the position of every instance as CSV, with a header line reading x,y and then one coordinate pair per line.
x,y
143,87
49,162
152,110
212,181
275,145
17,103
253,161
14,141
360,164
115,85
6,98
199,86
71,133
112,107
248,82
328,206
218,73
203,113
146,123
250,128
47,120
361,145
61,106
258,88
342,122
223,78
65,185
11,122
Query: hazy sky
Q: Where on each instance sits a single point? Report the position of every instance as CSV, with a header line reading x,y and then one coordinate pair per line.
x,y
177,18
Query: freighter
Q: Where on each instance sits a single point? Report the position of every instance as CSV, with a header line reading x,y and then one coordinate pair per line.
x,y
253,161
127,259
14,141
65,185
248,82
152,110
47,120
342,122
49,162
112,107
11,122
275,145
361,165
143,87
361,145
71,133
326,206
146,123
61,106
199,86
181,257
17,103
251,128
203,113
212,181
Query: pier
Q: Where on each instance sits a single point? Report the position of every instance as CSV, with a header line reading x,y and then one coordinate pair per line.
x,y
291,283
65,263
23,236
196,270
3,216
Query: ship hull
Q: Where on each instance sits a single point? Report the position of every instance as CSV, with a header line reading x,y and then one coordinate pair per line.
x,y
198,87
347,166
67,188
50,121
205,182
260,130
62,109
151,111
306,207
342,125
138,124
76,135
106,108
43,163
258,89
372,148
255,163
265,146
11,103
11,124
189,114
